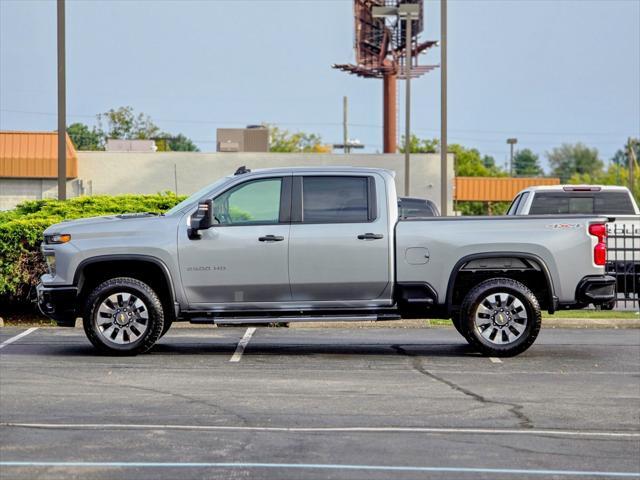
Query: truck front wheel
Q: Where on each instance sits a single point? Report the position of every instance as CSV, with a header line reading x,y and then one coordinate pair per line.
x,y
501,317
123,316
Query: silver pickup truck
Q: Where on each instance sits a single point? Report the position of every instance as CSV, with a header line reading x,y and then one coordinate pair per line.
x,y
317,244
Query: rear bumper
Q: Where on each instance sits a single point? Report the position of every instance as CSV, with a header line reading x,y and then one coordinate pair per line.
x,y
58,303
596,289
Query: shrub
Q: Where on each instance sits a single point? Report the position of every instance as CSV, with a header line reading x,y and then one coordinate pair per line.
x,y
21,229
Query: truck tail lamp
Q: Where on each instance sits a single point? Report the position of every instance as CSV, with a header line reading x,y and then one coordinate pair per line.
x,y
599,230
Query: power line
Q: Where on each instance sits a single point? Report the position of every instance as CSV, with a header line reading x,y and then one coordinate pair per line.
x,y
359,125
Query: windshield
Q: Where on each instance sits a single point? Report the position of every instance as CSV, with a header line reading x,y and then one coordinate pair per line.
x,y
599,203
193,198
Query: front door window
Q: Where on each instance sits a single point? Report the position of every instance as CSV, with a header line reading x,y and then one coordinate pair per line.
x,y
252,203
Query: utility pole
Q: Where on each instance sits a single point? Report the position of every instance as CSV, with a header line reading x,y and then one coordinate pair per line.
x,y
62,105
443,109
345,127
407,123
511,142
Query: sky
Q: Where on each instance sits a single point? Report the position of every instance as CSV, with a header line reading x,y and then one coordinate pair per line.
x,y
543,71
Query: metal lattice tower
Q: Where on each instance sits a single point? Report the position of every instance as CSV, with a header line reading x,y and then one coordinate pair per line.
x,y
381,50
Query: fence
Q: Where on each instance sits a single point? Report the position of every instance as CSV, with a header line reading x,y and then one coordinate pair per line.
x,y
623,262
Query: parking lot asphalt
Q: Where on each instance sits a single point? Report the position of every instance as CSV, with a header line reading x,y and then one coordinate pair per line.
x,y
319,403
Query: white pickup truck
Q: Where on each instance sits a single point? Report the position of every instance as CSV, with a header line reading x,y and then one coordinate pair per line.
x,y
305,244
623,240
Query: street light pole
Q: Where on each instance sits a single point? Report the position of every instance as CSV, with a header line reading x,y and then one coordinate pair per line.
x,y
443,109
62,105
511,142
631,156
345,128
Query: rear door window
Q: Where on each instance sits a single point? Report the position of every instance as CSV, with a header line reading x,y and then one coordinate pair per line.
x,y
335,199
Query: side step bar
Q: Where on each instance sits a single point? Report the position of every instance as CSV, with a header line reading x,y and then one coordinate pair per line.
x,y
224,320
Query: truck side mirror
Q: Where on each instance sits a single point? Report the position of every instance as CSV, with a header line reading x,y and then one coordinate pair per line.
x,y
202,219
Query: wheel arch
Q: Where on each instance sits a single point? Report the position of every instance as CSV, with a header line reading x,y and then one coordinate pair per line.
x,y
551,299
124,264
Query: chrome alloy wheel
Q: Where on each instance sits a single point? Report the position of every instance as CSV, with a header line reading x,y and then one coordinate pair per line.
x,y
501,318
122,318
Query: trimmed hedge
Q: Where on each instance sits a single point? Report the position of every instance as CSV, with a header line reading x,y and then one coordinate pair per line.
x,y
21,229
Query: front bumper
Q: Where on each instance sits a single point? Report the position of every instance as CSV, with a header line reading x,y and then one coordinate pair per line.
x,y
596,289
58,303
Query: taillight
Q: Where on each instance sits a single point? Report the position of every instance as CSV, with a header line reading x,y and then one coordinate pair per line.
x,y
599,230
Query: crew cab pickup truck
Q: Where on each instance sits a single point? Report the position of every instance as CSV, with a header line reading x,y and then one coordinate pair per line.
x,y
310,244
623,231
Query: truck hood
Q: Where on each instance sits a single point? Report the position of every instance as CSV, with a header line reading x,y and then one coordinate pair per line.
x,y
85,224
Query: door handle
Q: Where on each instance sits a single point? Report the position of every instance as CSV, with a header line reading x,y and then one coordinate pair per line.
x,y
271,238
370,236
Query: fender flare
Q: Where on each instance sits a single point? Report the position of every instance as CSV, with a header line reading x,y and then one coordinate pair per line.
x,y
79,273
477,256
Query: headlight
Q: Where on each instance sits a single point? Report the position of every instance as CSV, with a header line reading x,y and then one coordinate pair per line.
x,y
57,238
50,258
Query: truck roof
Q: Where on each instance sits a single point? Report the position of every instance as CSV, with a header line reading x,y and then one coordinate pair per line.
x,y
327,169
575,188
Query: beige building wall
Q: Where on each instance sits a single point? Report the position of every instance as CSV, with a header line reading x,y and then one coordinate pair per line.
x,y
112,173
17,190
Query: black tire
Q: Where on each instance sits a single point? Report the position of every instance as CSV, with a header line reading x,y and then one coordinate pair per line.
x,y
166,327
169,317
527,305
608,306
154,322
455,319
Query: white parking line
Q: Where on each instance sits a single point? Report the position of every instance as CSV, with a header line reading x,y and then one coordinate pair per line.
x,y
242,344
495,360
17,337
324,466
301,429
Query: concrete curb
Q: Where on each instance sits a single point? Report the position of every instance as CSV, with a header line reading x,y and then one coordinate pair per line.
x,y
591,322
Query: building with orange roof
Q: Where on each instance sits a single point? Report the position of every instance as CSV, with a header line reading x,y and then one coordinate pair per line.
x,y
29,166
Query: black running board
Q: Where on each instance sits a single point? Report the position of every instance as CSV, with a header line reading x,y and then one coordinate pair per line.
x,y
254,319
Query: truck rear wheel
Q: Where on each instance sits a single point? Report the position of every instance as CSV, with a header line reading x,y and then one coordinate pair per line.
x,y
123,316
501,317
455,319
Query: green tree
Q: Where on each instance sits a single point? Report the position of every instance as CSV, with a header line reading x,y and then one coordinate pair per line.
x,y
568,160
470,163
417,145
84,138
621,157
285,141
167,142
180,143
489,162
123,123
526,163
613,175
